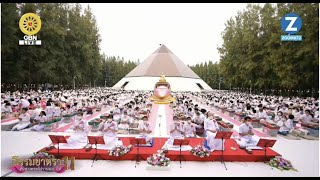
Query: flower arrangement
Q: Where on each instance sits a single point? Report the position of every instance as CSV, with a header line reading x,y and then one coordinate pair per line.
x,y
42,154
120,150
159,159
200,151
281,163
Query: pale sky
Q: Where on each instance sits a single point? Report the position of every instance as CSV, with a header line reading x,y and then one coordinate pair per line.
x,y
191,31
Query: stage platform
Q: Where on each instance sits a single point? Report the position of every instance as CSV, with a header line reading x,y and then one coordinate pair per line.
x,y
237,155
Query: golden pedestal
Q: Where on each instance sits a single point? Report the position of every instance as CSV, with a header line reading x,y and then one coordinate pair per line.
x,y
165,87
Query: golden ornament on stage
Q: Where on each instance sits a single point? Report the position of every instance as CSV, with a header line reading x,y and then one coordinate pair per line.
x,y
162,92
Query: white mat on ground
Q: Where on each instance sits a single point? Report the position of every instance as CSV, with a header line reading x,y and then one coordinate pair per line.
x,y
160,128
109,146
177,148
71,146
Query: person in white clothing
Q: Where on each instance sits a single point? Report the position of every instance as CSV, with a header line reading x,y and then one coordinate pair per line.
x,y
41,118
24,103
34,113
278,117
189,113
6,108
57,111
246,134
202,117
196,117
49,110
78,118
262,114
110,132
144,129
130,111
284,109
116,110
176,130
316,113
308,118
211,127
126,118
24,119
285,125
80,135
124,125
189,129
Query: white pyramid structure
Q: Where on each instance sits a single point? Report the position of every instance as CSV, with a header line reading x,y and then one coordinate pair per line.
x,y
146,74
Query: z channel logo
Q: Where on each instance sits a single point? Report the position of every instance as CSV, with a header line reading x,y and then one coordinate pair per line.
x,y
291,24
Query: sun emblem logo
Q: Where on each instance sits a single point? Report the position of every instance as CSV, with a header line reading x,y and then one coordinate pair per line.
x,y
30,24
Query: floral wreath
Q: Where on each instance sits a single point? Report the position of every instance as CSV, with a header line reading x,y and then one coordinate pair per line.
x,y
281,163
159,159
120,150
200,151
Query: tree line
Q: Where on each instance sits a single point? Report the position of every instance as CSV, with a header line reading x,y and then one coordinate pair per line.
x,y
252,55
69,53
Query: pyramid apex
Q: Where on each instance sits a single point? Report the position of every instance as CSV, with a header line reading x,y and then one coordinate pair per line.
x,y
162,61
162,49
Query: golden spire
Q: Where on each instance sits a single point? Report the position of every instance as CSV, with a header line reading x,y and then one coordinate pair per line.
x,y
162,78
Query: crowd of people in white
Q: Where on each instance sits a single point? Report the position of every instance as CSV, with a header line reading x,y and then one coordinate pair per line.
x,y
130,111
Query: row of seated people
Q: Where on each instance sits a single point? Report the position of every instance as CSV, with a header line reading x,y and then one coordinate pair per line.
x,y
109,129
211,126
287,117
28,118
180,130
35,122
